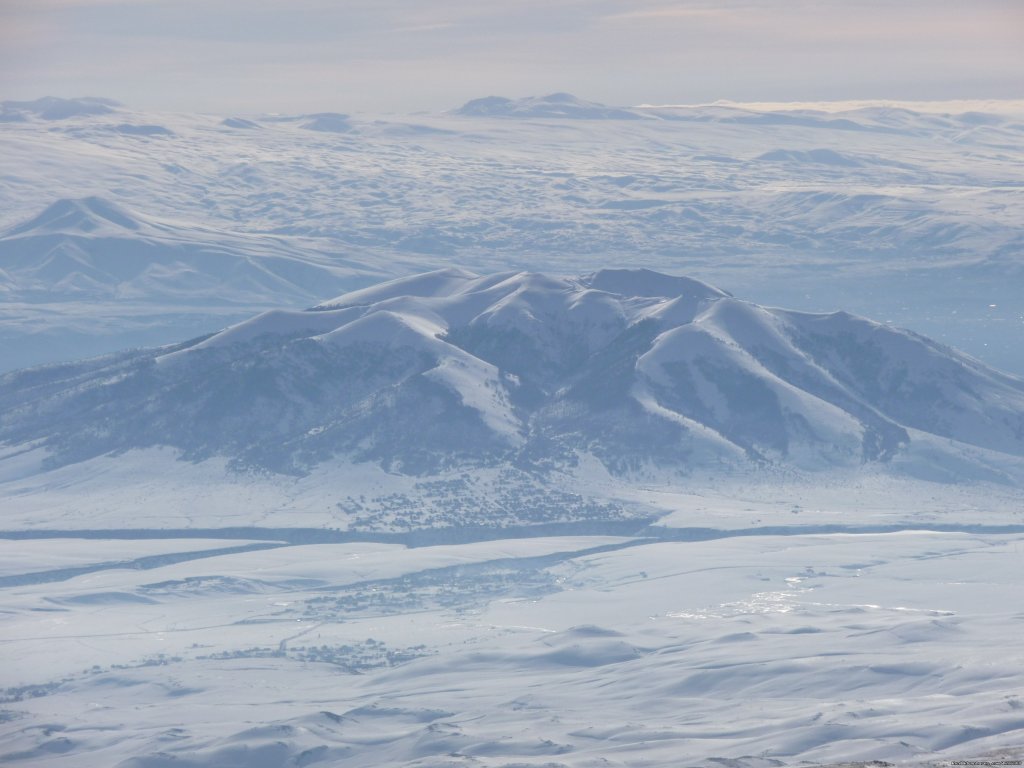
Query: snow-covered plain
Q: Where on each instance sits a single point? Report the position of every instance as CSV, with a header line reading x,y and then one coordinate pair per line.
x,y
261,549
753,649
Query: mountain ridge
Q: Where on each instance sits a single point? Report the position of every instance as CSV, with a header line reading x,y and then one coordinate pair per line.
x,y
450,369
92,248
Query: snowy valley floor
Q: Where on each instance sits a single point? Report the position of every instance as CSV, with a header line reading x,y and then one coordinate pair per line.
x,y
751,647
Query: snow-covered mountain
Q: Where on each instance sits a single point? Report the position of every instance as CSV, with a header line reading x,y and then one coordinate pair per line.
x,y
91,248
451,575
905,214
449,369
88,276
506,519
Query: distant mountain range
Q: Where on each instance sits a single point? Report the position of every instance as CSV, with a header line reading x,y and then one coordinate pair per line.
x,y
121,227
53,108
449,369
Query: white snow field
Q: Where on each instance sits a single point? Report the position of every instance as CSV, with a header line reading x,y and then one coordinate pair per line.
x,y
907,213
745,650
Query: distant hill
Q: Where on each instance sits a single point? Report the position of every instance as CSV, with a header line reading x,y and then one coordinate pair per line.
x,y
53,108
91,248
554,105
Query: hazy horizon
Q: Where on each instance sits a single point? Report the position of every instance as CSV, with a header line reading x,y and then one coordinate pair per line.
x,y
312,56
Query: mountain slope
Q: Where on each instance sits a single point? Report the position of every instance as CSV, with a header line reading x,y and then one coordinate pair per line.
x,y
449,369
91,248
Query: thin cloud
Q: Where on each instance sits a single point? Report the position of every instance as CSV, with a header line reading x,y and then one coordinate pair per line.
x,y
658,14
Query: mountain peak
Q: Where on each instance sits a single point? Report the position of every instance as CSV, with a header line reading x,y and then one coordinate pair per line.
x,y
648,283
328,122
633,367
438,282
562,98
83,215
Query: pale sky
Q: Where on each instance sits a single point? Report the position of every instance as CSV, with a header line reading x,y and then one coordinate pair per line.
x,y
249,56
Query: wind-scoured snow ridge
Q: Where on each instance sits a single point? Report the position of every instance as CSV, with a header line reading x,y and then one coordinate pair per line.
x,y
530,371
